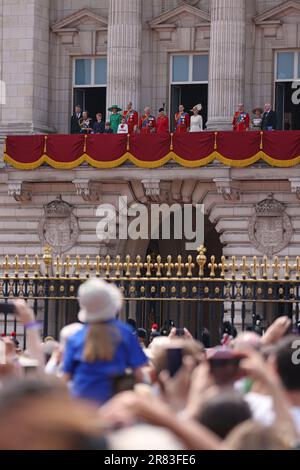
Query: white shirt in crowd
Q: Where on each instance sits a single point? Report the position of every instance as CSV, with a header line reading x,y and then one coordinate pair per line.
x,y
123,129
196,124
262,410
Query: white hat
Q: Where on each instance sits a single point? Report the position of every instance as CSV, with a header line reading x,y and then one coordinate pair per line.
x,y
198,107
99,301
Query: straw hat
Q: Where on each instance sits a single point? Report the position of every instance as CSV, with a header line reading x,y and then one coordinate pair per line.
x,y
99,301
257,109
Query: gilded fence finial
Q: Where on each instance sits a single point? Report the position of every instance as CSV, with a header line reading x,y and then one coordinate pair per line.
x,y
6,266
148,266
128,266
88,266
179,266
201,260
77,266
17,266
169,266
213,267
36,266
234,267
254,267
265,266
67,266
276,268
189,266
158,266
26,266
244,268
107,266
58,266
118,266
98,266
223,267
138,266
287,268
47,258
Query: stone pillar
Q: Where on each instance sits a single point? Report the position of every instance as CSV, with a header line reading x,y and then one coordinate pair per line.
x,y
227,61
24,66
124,53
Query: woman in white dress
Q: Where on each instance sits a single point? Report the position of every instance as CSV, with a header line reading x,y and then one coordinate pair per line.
x,y
196,119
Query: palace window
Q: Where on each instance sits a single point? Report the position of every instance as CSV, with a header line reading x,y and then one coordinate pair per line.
x,y
287,66
90,72
189,68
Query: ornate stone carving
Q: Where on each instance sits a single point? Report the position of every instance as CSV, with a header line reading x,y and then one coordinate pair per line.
x,y
89,190
59,227
295,186
20,191
152,189
226,189
270,229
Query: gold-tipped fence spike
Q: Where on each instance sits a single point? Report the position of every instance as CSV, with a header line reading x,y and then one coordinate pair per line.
x,y
179,266
17,266
169,266
213,267
128,266
77,266
118,266
149,266
88,266
26,266
98,266
47,258
244,268
189,266
107,266
276,268
265,267
233,267
201,260
138,266
223,267
67,266
158,266
297,267
6,266
58,265
254,267
287,268
36,266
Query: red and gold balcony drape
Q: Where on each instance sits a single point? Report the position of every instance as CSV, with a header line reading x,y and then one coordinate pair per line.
x,y
279,149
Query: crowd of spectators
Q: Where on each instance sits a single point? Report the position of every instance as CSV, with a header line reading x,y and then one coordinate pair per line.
x,y
108,385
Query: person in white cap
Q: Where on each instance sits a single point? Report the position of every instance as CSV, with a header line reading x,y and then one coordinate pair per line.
x,y
104,348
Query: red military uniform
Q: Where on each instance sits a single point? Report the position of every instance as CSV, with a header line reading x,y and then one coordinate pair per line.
x,y
147,124
241,122
163,124
132,120
182,122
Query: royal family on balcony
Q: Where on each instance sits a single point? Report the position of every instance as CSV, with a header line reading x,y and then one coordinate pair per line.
x,y
129,121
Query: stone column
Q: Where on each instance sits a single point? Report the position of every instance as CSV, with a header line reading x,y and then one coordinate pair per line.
x,y
124,53
227,61
24,66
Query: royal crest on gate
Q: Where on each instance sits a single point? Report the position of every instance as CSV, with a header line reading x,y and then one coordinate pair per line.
x,y
59,227
270,229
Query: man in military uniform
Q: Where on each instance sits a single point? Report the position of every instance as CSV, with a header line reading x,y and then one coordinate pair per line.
x,y
131,119
182,121
241,120
147,122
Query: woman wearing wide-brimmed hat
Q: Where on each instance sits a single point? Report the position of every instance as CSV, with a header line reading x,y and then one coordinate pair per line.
x,y
115,118
196,119
104,348
256,120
